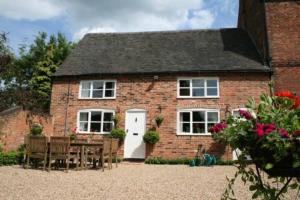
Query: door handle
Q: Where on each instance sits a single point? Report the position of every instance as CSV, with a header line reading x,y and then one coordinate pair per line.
x,y
135,133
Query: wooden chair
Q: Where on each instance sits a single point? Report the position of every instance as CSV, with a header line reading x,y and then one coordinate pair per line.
x,y
36,147
93,153
106,152
60,150
76,150
114,151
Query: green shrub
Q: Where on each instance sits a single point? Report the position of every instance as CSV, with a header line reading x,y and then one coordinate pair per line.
x,y
159,120
1,147
151,137
36,129
118,133
162,161
11,158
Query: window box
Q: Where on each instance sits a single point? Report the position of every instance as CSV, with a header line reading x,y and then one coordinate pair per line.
x,y
198,87
97,89
196,121
97,121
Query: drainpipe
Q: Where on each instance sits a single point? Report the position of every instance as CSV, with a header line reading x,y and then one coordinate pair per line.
x,y
66,109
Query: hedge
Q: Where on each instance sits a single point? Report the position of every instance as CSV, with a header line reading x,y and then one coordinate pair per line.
x,y
11,158
181,161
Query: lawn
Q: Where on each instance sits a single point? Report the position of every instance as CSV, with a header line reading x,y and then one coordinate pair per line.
x,y
128,181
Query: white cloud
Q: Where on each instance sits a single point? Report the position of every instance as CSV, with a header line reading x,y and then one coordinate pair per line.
x,y
28,9
201,19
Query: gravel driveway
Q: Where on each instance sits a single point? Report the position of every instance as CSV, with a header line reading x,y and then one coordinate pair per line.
x,y
128,181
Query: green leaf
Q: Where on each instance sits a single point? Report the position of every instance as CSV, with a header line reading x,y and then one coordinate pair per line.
x,y
269,166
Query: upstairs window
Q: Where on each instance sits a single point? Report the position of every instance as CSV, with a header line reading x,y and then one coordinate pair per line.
x,y
197,121
95,121
198,87
100,89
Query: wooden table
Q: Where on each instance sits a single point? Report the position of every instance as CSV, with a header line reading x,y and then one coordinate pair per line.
x,y
83,146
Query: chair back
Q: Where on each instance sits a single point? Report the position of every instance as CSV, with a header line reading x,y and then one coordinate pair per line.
x,y
106,145
36,144
114,145
81,140
59,145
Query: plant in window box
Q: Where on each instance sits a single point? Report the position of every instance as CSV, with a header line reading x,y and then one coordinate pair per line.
x,y
270,133
159,120
118,133
151,137
36,129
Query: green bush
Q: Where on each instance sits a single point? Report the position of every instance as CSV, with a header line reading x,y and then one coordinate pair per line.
x,y
162,161
1,147
11,158
36,129
151,137
118,133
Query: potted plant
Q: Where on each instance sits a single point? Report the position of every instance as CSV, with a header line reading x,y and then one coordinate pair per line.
x,y
118,133
158,120
270,133
151,137
36,129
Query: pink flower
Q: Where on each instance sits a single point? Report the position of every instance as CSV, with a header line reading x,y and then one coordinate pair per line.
x,y
283,133
247,115
218,127
264,129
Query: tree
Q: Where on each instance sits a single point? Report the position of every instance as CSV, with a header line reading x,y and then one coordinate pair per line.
x,y
28,79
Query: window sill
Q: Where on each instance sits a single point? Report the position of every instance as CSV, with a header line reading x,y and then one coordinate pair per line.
x,y
107,98
89,133
214,97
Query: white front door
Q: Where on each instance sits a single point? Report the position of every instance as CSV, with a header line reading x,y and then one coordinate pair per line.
x,y
135,126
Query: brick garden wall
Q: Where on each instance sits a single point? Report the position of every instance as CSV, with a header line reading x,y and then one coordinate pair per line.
x,y
15,125
141,92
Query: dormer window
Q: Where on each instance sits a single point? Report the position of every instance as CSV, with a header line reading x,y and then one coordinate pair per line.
x,y
98,89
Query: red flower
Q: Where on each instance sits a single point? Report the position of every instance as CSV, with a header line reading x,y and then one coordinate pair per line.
x,y
218,127
296,103
264,129
245,114
283,133
297,133
285,93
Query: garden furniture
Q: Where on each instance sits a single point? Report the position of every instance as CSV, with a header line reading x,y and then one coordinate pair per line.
x,y
36,147
114,151
106,152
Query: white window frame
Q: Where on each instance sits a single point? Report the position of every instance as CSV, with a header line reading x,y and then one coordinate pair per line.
x,y
91,89
89,120
191,120
205,87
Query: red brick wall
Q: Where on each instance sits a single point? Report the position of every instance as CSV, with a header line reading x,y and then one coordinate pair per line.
x,y
15,125
139,92
283,22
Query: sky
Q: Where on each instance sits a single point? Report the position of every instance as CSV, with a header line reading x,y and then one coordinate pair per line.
x,y
23,19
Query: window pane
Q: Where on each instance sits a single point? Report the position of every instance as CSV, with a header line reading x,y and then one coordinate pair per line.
x,y
85,93
84,116
107,127
198,128
83,126
211,83
185,127
212,116
109,93
97,93
184,117
108,116
110,85
184,83
198,92
96,116
212,91
236,114
198,116
198,83
98,85
86,85
95,127
184,92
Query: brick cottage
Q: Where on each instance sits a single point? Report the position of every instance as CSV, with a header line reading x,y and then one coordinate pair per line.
x,y
191,78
